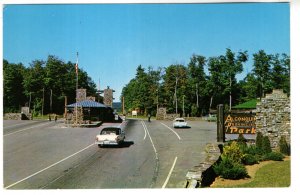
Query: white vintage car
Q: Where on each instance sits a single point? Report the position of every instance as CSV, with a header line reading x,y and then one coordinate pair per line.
x,y
110,136
179,122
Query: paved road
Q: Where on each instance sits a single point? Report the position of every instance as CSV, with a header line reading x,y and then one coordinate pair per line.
x,y
43,154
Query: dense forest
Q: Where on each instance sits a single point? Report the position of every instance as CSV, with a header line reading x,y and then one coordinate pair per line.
x,y
204,83
197,87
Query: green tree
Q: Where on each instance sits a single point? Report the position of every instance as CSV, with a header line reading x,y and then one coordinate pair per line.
x,y
280,73
141,92
232,65
13,96
175,82
262,70
34,85
249,88
197,84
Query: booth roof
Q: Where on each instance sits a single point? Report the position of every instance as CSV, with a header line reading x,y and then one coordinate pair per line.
x,y
87,104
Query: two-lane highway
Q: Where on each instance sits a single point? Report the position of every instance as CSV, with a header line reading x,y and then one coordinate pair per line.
x,y
49,155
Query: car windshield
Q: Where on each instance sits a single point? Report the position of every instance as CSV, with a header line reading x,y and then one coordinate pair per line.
x,y
180,120
108,131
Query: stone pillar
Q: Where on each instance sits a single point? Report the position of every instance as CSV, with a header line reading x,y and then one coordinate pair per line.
x,y
273,117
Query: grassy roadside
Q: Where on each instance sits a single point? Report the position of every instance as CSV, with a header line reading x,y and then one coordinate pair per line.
x,y
265,174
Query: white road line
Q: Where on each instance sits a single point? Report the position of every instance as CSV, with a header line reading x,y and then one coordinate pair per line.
x,y
11,185
172,130
144,129
170,172
25,129
156,154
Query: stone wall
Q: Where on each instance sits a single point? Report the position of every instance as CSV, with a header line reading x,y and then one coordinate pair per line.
x,y
203,175
273,117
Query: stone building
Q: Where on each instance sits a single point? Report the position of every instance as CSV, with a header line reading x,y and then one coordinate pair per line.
x,y
273,117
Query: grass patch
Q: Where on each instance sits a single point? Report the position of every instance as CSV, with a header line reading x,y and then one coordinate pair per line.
x,y
277,174
251,104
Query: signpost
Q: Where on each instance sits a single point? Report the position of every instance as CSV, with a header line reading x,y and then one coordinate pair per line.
x,y
239,123
234,123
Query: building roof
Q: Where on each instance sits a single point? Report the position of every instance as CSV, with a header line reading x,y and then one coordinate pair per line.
x,y
87,104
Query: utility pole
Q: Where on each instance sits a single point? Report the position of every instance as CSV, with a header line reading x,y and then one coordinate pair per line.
x,y
29,101
176,93
157,102
183,106
76,67
50,100
123,105
43,102
197,95
230,94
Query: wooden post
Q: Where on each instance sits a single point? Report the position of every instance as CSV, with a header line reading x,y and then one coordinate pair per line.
x,y
220,123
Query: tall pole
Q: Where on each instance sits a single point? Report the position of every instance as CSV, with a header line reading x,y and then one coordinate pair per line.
x,y
123,105
157,103
183,106
230,95
50,100
76,87
176,94
197,95
29,101
43,102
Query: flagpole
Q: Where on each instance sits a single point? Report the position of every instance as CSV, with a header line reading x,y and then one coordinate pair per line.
x,y
76,89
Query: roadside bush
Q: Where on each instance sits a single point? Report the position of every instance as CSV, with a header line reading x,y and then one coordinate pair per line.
x,y
228,169
284,146
276,156
249,159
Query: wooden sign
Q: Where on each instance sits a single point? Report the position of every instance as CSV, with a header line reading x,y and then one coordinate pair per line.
x,y
239,123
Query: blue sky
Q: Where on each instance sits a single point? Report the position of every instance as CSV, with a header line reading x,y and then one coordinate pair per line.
x,y
113,39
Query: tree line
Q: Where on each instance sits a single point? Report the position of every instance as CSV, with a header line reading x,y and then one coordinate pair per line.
x,y
204,83
43,85
193,89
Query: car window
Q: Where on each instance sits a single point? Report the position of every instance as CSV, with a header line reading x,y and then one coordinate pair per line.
x,y
108,131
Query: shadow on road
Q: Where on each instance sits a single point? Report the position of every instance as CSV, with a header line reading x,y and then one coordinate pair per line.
x,y
186,127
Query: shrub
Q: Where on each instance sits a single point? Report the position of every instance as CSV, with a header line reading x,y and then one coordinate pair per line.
x,y
259,140
241,139
249,159
266,145
242,142
284,146
232,152
276,156
253,150
230,170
